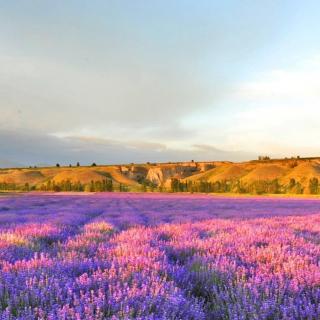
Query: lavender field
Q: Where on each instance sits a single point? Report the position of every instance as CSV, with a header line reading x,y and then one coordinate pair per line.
x,y
158,256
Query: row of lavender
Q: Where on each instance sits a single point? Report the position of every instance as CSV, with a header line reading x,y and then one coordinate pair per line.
x,y
128,209
218,269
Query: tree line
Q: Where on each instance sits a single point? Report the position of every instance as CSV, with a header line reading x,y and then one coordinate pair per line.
x,y
237,186
105,185
7,186
177,185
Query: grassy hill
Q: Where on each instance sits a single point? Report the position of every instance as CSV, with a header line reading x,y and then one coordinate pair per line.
x,y
283,175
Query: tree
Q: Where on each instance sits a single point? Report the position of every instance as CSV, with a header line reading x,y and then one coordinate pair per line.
x,y
237,187
58,165
174,185
78,164
274,187
298,189
291,185
313,186
263,158
144,186
93,164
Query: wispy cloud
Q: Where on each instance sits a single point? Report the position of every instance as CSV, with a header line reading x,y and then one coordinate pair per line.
x,y
295,85
280,110
31,148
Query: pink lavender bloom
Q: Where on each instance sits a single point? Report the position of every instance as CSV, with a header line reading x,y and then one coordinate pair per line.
x,y
129,256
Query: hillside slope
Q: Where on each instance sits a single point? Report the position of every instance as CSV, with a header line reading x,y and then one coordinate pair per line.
x,y
282,173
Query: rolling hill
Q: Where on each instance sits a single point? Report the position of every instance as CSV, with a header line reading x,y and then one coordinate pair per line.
x,y
285,173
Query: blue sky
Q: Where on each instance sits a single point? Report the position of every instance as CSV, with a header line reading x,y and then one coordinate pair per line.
x,y
123,81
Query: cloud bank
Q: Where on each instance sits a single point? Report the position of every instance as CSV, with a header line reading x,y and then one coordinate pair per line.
x,y
29,147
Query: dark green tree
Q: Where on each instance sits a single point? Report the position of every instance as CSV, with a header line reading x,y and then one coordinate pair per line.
x,y
314,186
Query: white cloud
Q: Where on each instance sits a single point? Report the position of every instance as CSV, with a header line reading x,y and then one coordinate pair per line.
x,y
279,110
297,84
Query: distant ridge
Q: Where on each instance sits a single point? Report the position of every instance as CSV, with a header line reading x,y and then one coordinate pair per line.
x,y
294,173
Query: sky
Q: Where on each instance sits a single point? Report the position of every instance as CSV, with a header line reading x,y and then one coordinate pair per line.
x,y
158,80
